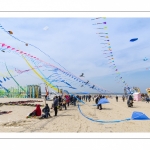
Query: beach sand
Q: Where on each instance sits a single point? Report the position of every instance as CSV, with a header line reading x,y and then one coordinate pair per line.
x,y
71,120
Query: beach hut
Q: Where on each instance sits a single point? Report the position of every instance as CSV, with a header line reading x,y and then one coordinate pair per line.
x,y
137,96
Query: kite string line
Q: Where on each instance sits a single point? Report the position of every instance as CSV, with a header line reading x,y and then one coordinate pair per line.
x,y
12,78
25,42
112,104
117,69
113,121
30,45
50,85
42,73
55,67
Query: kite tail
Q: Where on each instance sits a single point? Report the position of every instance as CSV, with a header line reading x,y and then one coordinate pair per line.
x,y
102,121
47,83
14,79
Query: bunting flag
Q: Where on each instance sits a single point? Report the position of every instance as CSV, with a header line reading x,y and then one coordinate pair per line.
x,y
33,59
101,25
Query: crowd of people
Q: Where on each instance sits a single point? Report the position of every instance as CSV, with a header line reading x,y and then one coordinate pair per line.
x,y
62,102
59,102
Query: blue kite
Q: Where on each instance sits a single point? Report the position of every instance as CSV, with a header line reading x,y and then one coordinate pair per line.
x,y
145,59
139,116
103,101
134,39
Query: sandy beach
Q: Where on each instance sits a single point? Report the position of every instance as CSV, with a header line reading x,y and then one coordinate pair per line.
x,y
71,120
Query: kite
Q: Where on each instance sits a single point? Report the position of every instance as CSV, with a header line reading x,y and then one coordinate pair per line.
x,y
145,59
10,32
7,78
102,23
103,101
82,75
4,79
93,86
14,79
101,33
45,28
87,82
26,44
37,59
139,116
134,39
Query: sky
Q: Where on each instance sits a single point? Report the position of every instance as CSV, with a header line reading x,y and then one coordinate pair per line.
x,y
72,43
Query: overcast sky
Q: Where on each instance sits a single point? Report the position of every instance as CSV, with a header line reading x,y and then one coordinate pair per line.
x,y
74,44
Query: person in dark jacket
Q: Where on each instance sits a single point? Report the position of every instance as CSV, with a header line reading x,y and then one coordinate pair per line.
x,y
116,98
130,101
99,106
71,100
60,102
89,98
96,101
55,105
46,111
74,100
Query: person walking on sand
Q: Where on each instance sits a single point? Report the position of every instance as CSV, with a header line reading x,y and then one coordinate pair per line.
x,y
96,101
130,101
123,98
116,98
99,106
